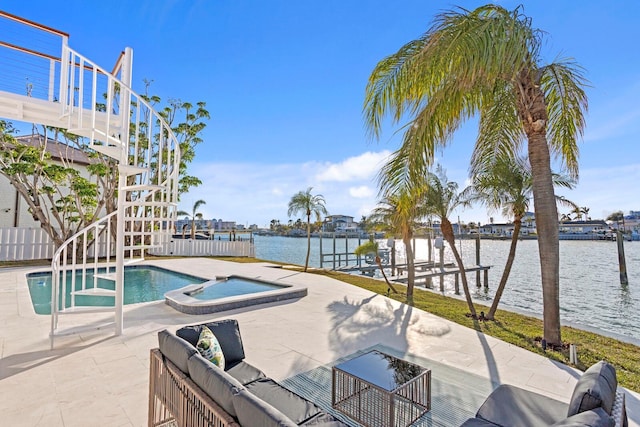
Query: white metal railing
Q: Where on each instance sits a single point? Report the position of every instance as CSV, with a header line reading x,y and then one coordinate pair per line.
x,y
72,257
68,90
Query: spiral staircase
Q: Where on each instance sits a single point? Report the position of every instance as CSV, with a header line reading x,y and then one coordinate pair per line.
x,y
99,105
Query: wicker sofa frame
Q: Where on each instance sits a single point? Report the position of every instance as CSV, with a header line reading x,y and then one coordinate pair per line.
x,y
174,399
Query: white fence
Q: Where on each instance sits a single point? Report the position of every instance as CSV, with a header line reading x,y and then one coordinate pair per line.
x,y
22,244
189,247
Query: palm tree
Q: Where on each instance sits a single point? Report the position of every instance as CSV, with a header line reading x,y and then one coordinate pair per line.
x,y
506,184
577,213
371,247
399,212
193,215
585,211
487,62
441,199
617,217
307,203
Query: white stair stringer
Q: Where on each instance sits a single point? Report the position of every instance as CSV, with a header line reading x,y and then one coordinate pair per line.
x,y
148,157
71,92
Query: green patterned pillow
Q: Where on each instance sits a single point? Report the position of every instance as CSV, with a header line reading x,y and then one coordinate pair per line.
x,y
209,347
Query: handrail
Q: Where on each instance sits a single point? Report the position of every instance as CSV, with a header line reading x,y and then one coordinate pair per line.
x,y
29,51
33,24
61,255
117,131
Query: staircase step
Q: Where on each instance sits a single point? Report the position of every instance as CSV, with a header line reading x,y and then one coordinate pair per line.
x,y
141,247
108,150
84,309
142,187
131,169
97,292
106,276
79,329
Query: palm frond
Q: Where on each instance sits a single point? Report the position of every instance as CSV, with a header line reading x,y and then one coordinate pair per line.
x,y
563,84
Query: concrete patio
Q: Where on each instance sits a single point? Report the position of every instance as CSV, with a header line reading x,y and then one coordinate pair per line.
x,y
98,379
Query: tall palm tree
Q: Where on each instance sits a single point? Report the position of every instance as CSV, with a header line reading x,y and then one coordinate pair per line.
x,y
507,184
194,215
441,198
577,213
487,62
585,211
307,203
399,212
371,247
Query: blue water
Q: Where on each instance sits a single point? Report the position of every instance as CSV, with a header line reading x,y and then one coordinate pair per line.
x,y
591,296
234,286
141,284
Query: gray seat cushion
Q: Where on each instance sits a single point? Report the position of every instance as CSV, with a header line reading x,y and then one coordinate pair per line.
x,y
176,349
512,406
253,411
595,388
293,406
219,385
245,373
593,418
226,331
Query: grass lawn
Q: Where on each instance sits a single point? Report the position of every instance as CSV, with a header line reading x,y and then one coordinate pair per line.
x,y
517,329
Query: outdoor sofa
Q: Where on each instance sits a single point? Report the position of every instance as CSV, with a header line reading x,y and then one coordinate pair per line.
x,y
187,390
596,402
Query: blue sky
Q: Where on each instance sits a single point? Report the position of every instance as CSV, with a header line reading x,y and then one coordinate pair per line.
x,y
284,83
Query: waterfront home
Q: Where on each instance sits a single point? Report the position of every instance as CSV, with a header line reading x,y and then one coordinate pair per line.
x,y
340,223
583,227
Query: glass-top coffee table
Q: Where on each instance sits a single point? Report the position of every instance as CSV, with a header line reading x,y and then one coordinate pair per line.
x,y
377,389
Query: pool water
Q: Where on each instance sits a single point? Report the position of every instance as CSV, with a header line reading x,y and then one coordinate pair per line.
x,y
141,284
233,286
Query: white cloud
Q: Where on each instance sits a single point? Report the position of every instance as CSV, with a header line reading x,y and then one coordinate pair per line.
x,y
255,193
361,192
364,166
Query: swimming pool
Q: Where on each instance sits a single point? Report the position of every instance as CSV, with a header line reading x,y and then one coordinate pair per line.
x,y
230,292
232,286
142,283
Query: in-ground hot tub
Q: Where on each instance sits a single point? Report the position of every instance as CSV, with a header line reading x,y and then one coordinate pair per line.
x,y
230,292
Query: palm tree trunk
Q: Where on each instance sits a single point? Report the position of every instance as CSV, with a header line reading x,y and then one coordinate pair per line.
x,y
306,261
379,262
548,245
411,274
507,268
447,232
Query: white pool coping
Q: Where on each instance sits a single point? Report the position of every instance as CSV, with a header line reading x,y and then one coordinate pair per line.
x,y
180,300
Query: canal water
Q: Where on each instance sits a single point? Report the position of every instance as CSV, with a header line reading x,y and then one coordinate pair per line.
x,y
591,296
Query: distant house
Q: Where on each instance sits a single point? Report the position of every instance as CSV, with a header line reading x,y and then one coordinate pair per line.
x,y
220,225
497,229
14,211
437,229
339,223
583,227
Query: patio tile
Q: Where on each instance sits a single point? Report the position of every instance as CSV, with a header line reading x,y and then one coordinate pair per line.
x,y
96,378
